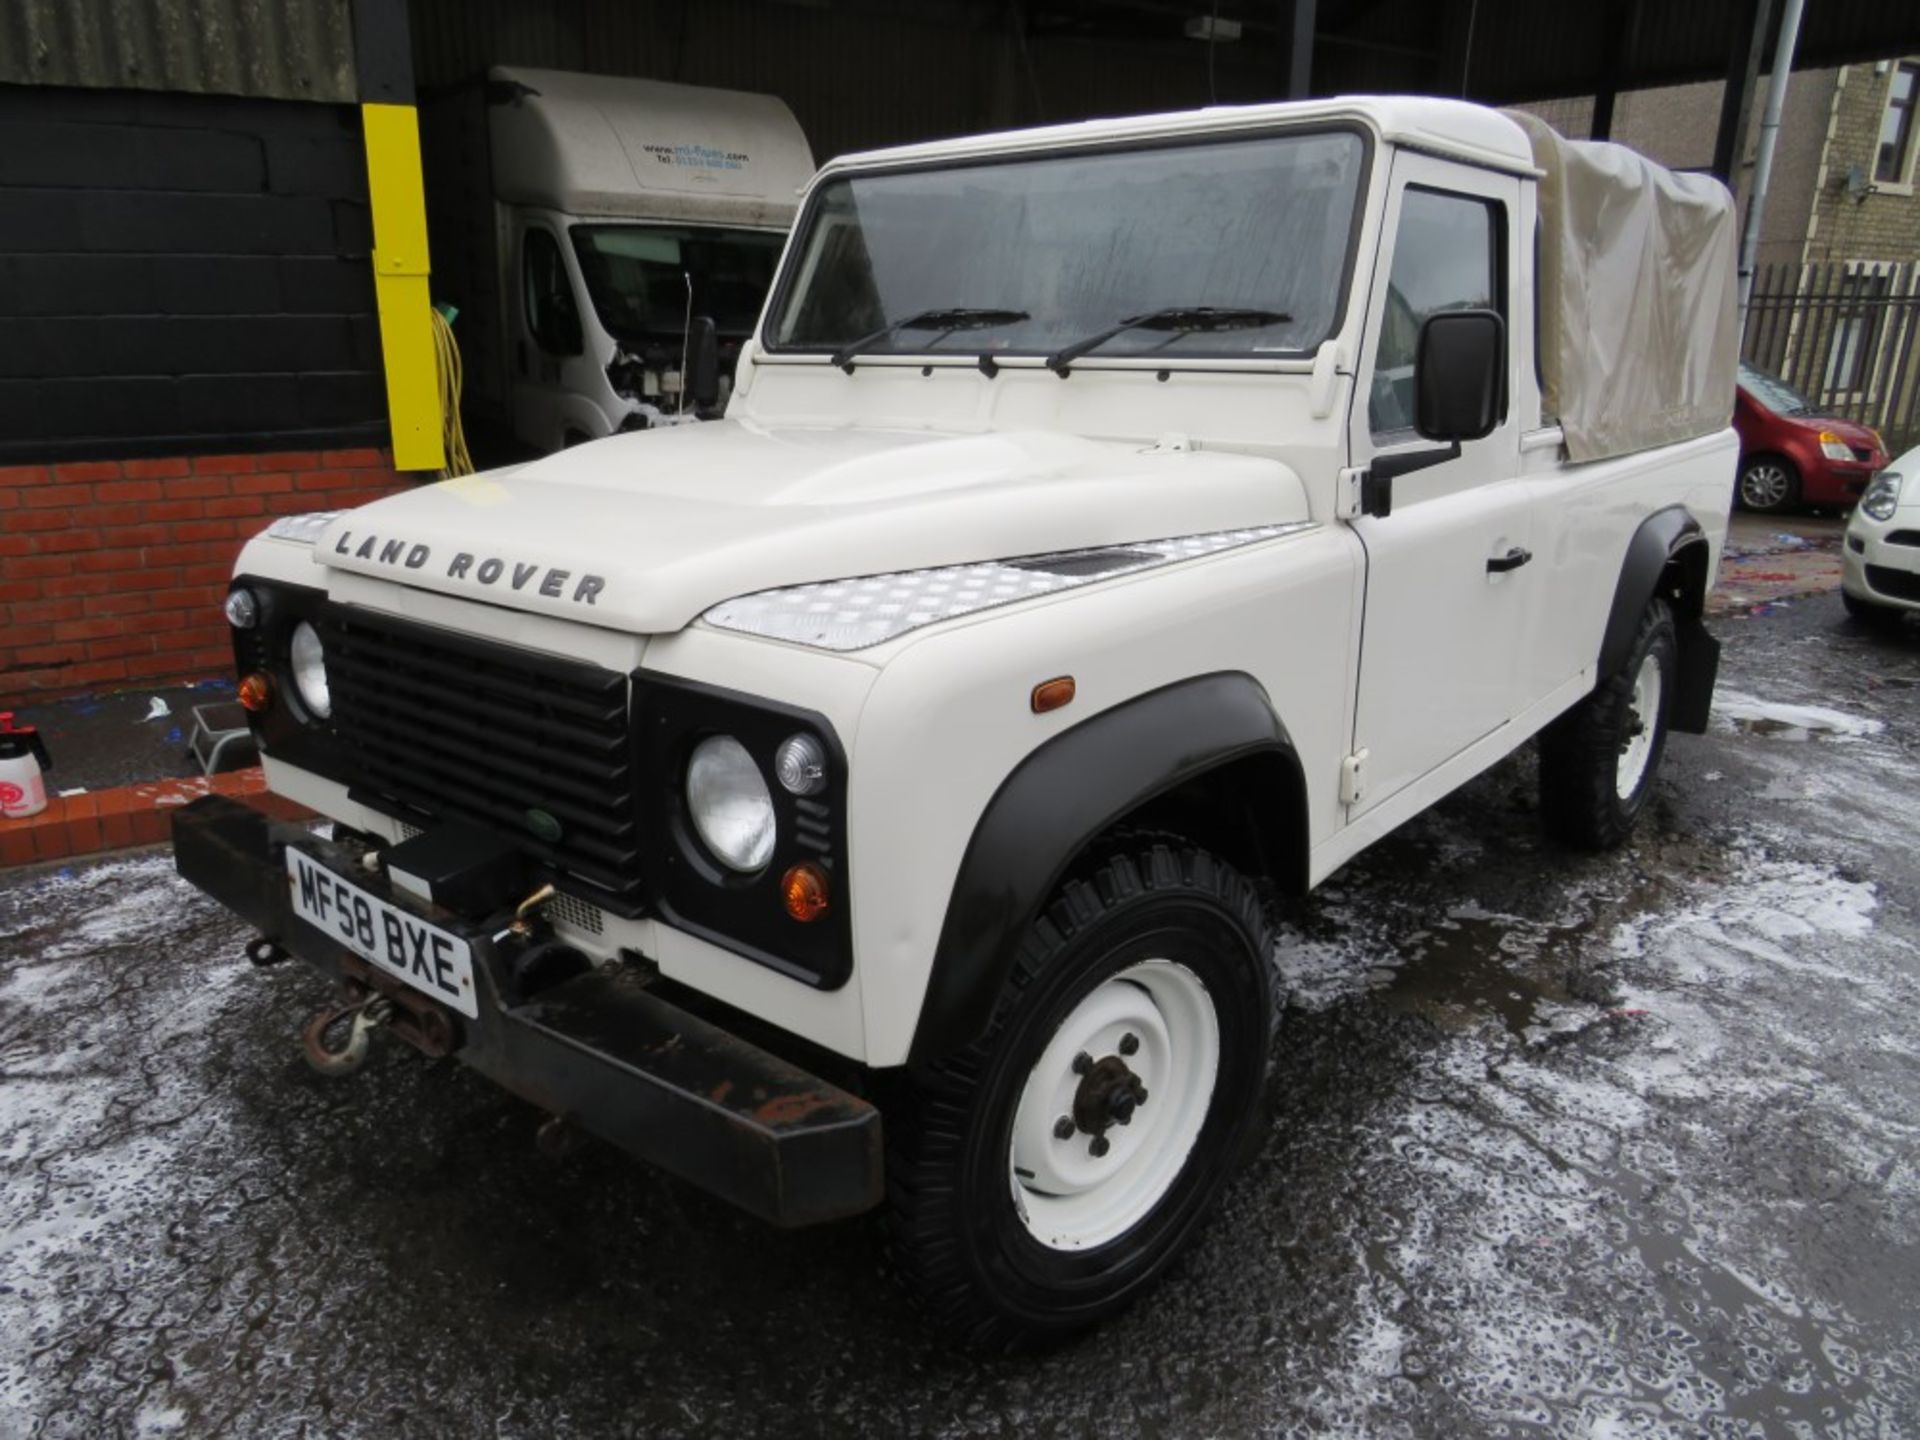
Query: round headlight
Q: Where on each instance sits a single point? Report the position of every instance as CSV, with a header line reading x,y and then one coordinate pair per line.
x,y
243,609
800,764
729,802
1883,495
309,665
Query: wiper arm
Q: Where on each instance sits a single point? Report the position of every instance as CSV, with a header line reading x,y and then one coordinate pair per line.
x,y
1186,319
946,321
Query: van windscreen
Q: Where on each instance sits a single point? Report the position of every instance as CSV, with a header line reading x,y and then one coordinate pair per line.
x,y
637,276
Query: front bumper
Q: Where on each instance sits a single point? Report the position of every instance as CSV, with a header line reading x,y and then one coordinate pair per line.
x,y
598,1049
1836,482
1872,568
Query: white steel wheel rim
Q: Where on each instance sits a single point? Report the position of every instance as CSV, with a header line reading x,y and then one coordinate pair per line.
x,y
1643,716
1067,1197
1764,485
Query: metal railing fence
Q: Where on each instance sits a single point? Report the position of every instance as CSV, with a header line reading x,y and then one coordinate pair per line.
x,y
1847,335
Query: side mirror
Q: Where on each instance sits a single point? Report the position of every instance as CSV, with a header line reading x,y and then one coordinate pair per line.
x,y
1459,389
1459,375
703,363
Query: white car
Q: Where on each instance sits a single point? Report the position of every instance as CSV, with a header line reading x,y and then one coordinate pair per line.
x,y
867,799
1880,567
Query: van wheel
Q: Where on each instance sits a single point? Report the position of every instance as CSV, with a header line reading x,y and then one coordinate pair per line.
x,y
1767,485
1598,761
1045,1176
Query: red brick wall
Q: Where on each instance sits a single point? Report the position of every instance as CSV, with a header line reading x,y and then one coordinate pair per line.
x,y
112,571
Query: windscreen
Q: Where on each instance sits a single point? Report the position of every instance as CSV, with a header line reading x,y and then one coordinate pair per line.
x,y
1078,244
638,276
1774,393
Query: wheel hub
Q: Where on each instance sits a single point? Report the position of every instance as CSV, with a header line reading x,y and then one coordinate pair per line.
x,y
1089,1155
1764,486
1108,1094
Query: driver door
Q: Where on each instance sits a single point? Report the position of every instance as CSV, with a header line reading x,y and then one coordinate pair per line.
x,y
1448,587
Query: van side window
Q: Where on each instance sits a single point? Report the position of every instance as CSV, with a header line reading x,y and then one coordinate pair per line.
x,y
1446,256
552,315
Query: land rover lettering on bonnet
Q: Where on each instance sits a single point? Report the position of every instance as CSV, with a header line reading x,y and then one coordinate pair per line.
x,y
885,795
549,580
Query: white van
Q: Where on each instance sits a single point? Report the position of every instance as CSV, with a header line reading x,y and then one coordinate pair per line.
x,y
581,224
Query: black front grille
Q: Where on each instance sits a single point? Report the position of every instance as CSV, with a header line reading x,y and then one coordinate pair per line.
x,y
441,726
1900,584
1904,537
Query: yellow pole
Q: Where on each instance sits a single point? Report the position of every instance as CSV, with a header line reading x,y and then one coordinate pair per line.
x,y
400,270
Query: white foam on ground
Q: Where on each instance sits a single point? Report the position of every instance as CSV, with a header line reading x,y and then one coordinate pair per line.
x,y
94,1142
1795,722
1572,1182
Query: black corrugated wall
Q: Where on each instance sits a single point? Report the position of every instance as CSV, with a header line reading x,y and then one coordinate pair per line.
x,y
183,272
855,77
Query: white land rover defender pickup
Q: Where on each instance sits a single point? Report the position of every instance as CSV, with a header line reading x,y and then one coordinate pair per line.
x,y
870,799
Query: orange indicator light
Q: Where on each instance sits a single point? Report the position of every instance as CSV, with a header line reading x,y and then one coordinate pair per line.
x,y
1052,694
804,888
256,691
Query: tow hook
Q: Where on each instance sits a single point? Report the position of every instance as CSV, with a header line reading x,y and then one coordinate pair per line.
x,y
367,1014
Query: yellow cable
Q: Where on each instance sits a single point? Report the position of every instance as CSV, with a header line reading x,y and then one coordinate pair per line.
x,y
446,352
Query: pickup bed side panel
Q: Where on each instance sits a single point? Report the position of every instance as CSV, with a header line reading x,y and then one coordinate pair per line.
x,y
949,719
1586,517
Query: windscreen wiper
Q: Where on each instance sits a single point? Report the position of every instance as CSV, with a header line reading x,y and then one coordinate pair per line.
x,y
946,321
1185,319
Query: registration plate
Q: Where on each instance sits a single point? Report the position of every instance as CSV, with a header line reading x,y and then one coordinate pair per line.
x,y
428,958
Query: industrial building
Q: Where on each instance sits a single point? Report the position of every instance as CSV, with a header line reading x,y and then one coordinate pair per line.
x,y
216,271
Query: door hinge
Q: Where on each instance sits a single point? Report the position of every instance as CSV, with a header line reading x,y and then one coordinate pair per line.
x,y
1353,778
1347,506
1365,490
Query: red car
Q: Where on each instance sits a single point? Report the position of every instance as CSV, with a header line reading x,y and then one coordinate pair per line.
x,y
1791,454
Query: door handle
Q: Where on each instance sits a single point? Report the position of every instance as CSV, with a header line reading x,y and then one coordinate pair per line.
x,y
1512,560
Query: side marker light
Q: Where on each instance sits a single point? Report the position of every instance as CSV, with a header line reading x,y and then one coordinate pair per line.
x,y
1052,694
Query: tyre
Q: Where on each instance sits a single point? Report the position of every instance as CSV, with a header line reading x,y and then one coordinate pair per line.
x,y
1767,485
1044,1177
1874,617
1598,761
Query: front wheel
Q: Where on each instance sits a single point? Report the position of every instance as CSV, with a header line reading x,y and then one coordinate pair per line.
x,y
1767,485
1044,1177
1598,761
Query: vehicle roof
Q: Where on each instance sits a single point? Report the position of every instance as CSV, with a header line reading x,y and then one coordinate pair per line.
x,y
610,145
1455,128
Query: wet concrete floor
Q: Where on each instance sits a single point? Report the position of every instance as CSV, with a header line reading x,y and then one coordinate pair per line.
x,y
1559,1146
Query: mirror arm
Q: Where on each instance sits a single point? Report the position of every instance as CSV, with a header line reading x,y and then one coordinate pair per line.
x,y
1376,486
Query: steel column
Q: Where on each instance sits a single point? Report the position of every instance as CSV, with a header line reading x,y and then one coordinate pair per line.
x,y
1748,46
1763,162
396,194
1300,49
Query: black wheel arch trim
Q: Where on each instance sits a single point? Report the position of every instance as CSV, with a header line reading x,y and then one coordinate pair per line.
x,y
1060,799
1666,539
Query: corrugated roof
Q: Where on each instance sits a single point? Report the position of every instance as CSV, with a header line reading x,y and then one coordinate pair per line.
x,y
286,49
